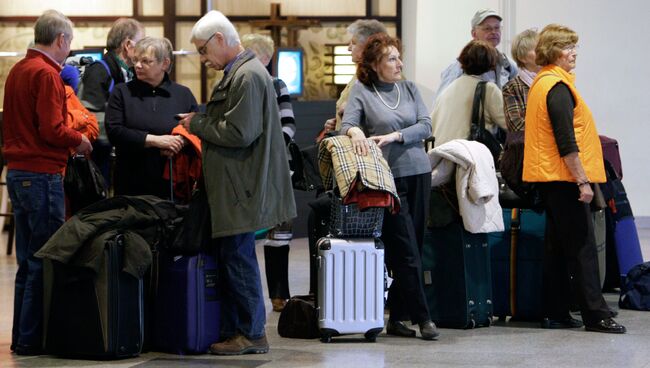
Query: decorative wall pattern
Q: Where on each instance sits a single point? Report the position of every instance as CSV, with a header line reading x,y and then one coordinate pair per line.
x,y
17,36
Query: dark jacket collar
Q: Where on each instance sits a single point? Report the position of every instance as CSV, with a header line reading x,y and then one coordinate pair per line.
x,y
245,57
143,89
112,60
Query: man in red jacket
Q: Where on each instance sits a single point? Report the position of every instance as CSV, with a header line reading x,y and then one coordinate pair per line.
x,y
36,147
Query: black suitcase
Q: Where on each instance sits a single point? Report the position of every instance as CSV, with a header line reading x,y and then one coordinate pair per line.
x,y
457,279
93,315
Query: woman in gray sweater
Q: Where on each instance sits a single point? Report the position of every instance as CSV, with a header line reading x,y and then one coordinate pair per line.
x,y
390,111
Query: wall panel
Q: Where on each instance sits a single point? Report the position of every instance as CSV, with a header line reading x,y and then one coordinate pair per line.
x,y
12,8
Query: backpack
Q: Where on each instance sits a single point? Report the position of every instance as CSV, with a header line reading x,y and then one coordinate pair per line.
x,y
81,63
635,292
98,111
511,167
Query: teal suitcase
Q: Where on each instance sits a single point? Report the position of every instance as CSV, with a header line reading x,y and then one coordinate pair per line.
x,y
457,278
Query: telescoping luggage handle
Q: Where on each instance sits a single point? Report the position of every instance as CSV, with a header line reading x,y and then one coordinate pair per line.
x,y
171,180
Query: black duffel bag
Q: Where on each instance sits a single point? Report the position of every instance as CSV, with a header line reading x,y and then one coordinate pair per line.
x,y
299,318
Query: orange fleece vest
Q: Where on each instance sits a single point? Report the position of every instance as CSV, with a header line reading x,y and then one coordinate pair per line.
x,y
542,161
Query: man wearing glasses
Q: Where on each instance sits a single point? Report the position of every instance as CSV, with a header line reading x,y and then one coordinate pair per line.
x,y
246,175
486,26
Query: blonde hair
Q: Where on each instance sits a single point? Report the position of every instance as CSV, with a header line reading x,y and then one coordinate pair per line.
x,y
522,44
552,39
261,45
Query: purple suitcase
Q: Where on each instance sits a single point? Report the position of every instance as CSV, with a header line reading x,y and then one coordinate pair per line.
x,y
628,247
611,154
187,307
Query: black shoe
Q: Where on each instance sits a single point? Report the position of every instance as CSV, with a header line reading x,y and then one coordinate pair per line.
x,y
428,330
398,328
607,325
567,322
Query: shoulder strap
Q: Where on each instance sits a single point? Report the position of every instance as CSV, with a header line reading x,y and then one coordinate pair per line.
x,y
108,70
478,107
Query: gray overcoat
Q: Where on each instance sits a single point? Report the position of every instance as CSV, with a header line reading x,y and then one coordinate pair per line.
x,y
245,166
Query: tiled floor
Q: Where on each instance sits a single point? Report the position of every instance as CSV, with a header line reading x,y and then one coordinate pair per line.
x,y
505,344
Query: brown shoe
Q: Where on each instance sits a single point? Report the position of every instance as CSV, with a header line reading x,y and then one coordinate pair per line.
x,y
238,345
278,304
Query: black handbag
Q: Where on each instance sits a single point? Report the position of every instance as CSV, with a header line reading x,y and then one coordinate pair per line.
x,y
304,165
83,183
477,130
194,233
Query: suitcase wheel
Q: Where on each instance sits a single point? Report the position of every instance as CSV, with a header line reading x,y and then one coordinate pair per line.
x,y
326,338
371,335
472,324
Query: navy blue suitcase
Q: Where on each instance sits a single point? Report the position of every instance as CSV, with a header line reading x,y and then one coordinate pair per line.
x,y
456,270
517,271
187,304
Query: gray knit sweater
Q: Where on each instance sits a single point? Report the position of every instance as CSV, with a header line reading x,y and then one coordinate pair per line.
x,y
366,111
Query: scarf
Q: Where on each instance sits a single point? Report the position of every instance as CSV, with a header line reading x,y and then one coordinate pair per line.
x,y
527,76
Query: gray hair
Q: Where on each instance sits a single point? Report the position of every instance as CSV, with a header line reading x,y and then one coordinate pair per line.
x,y
364,28
160,47
522,44
261,45
214,21
50,25
121,30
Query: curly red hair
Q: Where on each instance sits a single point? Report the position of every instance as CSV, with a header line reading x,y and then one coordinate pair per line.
x,y
376,48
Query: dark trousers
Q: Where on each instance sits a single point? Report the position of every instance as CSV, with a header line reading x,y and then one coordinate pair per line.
x,y
276,260
570,255
402,235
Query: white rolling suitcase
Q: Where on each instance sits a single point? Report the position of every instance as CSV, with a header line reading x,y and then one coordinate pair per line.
x,y
350,287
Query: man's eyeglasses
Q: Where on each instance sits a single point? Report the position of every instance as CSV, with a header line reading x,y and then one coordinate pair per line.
x,y
203,49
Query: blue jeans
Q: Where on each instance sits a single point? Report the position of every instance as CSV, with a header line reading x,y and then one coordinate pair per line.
x,y
242,306
38,206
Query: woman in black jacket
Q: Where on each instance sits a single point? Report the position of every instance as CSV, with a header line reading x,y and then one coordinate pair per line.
x,y
140,119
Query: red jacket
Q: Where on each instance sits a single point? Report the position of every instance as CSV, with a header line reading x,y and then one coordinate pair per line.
x,y
187,169
79,118
35,135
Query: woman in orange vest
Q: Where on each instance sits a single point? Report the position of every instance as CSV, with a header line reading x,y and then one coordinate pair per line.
x,y
563,155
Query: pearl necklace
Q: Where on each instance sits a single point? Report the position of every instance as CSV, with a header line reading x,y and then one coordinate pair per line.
x,y
399,95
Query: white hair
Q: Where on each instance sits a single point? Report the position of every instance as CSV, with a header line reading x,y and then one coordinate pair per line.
x,y
214,21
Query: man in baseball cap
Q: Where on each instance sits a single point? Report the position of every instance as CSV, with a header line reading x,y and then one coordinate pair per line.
x,y
486,26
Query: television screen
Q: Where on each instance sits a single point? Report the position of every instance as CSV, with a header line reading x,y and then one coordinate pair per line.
x,y
288,66
95,53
